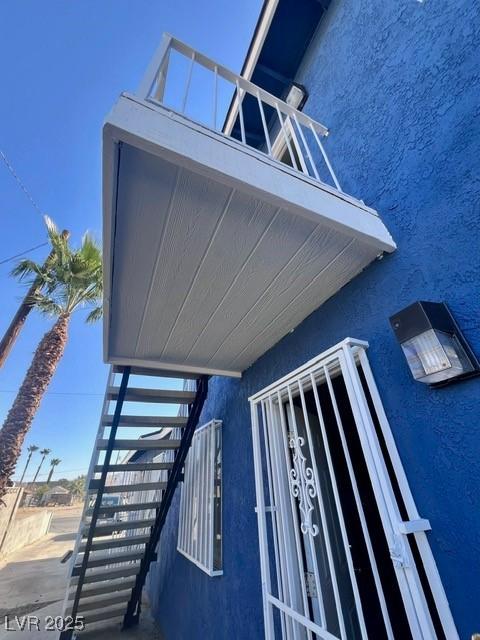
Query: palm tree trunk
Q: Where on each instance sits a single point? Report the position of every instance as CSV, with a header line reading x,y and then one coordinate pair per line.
x,y
38,470
25,469
20,417
50,474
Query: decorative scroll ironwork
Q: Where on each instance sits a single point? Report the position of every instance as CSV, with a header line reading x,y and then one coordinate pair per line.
x,y
302,485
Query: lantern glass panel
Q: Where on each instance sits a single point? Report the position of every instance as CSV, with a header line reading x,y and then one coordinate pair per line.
x,y
434,356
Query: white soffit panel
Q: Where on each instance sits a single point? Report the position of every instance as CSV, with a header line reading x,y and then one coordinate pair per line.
x,y
206,268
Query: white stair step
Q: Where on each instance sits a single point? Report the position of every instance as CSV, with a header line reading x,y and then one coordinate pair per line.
x,y
107,529
112,586
135,466
102,603
140,445
115,612
112,558
110,574
114,543
158,373
163,396
137,506
122,488
146,421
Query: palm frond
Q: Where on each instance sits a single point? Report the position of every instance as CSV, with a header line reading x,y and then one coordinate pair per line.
x,y
58,240
46,305
94,315
69,279
28,268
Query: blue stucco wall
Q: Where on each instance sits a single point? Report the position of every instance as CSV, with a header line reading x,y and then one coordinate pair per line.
x,y
398,84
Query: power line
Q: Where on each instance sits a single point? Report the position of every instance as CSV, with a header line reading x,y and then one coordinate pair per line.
x,y
18,255
10,167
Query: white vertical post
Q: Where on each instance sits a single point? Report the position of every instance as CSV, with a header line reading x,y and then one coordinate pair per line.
x,y
428,560
338,504
285,135
189,79
191,481
363,521
158,61
325,157
181,519
308,540
323,516
262,530
211,496
202,489
264,124
286,506
279,568
302,596
307,148
240,112
162,78
207,534
412,593
215,96
196,494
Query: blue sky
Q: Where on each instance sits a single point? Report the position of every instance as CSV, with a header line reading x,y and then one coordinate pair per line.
x,y
64,63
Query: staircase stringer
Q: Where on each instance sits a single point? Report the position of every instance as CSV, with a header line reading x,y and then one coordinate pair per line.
x,y
90,474
134,605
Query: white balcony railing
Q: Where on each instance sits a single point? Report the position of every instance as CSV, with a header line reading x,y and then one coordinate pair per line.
x,y
188,82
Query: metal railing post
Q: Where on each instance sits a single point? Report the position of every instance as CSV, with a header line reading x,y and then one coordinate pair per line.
x,y
156,63
325,157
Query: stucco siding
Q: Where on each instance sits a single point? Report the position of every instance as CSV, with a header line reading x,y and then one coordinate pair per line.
x,y
397,83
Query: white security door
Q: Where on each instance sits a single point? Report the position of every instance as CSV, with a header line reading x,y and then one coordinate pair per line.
x,y
344,554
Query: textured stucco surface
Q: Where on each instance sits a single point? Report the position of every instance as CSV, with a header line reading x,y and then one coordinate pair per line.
x,y
398,84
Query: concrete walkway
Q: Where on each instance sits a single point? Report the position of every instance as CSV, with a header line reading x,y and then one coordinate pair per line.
x,y
33,582
33,577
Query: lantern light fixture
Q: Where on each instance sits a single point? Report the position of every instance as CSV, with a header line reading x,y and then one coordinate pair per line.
x,y
435,348
297,96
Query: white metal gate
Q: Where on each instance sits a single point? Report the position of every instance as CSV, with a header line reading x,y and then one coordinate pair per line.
x,y
343,550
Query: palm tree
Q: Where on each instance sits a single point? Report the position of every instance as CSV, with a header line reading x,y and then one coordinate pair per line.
x,y
31,450
53,463
77,487
70,281
18,320
44,453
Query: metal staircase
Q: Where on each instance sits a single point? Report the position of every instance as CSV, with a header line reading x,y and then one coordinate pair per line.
x,y
128,497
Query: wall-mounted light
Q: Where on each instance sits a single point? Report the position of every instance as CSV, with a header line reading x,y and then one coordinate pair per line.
x,y
435,349
297,96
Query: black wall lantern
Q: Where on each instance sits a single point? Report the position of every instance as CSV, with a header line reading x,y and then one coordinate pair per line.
x,y
435,349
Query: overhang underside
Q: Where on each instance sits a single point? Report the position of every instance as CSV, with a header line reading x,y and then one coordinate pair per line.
x,y
206,274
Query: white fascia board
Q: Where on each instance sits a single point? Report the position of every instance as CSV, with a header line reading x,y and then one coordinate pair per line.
x,y
256,46
109,193
166,134
140,362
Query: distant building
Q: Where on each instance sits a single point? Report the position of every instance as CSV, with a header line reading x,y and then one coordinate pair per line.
x,y
57,496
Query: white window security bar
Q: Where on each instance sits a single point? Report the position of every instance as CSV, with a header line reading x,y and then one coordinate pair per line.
x,y
282,116
199,530
314,431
